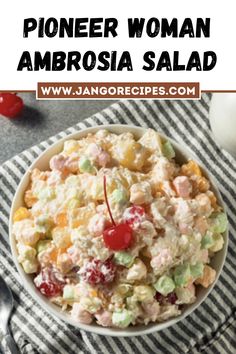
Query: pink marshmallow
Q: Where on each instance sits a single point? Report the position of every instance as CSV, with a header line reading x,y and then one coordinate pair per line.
x,y
103,159
163,259
167,188
191,287
182,186
185,229
58,162
72,164
204,204
104,318
94,150
100,156
201,225
204,256
79,314
151,309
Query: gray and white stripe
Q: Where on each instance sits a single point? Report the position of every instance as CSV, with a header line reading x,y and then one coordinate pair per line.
x,y
212,327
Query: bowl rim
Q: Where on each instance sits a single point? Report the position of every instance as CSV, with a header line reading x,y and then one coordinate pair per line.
x,y
93,328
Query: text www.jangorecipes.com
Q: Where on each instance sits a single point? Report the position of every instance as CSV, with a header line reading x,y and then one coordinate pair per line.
x,y
118,90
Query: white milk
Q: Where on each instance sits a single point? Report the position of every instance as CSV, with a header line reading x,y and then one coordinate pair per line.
x,y
222,117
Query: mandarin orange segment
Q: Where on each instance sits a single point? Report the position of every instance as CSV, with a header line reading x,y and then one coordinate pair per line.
x,y
37,174
200,185
207,278
53,255
29,198
191,168
93,293
64,249
158,188
75,224
203,185
213,200
21,214
61,219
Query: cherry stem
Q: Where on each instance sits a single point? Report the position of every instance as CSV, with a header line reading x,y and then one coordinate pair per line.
x,y
106,200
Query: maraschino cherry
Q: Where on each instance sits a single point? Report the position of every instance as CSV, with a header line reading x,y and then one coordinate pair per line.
x,y
98,272
134,216
116,237
48,283
11,105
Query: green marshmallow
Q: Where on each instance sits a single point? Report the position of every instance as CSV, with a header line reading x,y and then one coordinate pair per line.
x,y
123,258
30,266
46,193
144,292
197,270
207,241
164,285
26,252
85,165
122,319
168,150
68,292
219,223
119,196
124,290
42,245
184,295
182,275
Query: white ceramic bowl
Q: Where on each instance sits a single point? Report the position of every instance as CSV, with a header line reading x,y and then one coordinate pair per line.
x,y
42,162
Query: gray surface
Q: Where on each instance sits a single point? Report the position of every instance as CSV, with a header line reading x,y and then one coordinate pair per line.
x,y
40,120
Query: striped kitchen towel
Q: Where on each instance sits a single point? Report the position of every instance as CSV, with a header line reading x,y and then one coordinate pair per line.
x,y
212,327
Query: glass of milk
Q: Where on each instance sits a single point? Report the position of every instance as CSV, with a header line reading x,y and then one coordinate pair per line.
x,y
222,117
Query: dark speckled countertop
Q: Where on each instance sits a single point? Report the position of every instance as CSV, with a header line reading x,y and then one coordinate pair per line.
x,y
42,119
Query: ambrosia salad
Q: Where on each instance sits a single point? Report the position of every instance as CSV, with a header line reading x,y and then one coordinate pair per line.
x,y
117,232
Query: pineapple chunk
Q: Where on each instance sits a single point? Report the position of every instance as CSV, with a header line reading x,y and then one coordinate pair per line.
x,y
81,216
61,237
21,214
29,198
70,146
130,154
152,141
